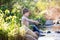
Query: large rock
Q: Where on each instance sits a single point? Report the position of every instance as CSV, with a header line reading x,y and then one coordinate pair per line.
x,y
29,37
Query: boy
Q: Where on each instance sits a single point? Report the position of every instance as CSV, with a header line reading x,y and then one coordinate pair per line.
x,y
26,20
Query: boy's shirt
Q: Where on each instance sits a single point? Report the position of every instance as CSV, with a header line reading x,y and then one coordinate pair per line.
x,y
25,21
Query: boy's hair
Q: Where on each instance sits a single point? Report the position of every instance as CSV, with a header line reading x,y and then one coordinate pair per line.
x,y
25,10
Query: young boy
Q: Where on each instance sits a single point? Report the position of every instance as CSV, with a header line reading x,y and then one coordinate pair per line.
x,y
26,20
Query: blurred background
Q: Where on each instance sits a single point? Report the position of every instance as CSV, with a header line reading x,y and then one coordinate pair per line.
x,y
11,13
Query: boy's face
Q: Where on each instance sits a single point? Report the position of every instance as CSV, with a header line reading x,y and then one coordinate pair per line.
x,y
27,14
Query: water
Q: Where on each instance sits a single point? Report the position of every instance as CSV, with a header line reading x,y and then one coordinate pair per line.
x,y
50,36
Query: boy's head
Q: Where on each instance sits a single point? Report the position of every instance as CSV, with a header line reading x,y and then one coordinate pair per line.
x,y
26,12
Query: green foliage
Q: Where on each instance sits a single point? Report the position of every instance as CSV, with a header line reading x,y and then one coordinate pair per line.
x,y
41,5
8,29
3,7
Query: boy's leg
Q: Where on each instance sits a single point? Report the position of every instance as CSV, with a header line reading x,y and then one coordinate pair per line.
x,y
36,29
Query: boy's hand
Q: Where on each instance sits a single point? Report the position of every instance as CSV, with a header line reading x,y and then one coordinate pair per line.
x,y
36,22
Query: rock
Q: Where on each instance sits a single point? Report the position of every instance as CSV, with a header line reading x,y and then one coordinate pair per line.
x,y
29,37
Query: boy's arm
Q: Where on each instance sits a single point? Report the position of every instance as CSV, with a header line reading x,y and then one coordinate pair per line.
x,y
30,20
